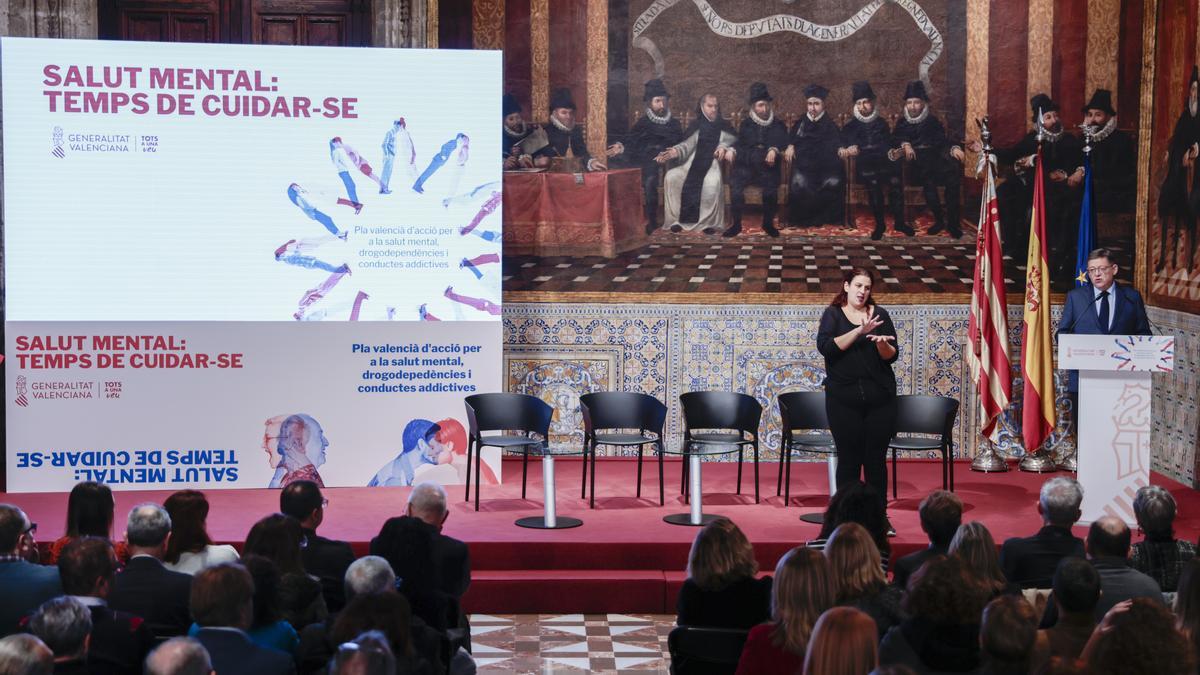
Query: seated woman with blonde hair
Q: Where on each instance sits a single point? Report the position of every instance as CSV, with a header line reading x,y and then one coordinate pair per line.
x,y
721,590
858,578
843,642
974,545
803,590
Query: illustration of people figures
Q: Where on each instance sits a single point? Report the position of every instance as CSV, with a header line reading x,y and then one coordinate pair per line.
x,y
438,160
302,199
299,450
397,143
346,160
292,253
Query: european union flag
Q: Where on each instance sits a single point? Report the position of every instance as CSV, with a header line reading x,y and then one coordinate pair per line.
x,y
1087,225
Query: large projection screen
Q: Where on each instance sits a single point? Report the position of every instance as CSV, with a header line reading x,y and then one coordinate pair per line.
x,y
239,266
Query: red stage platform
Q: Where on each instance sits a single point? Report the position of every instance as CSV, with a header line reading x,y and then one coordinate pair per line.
x,y
624,558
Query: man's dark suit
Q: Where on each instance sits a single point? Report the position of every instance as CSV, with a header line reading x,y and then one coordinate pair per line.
x,y
233,653
453,561
1081,316
327,559
1030,562
148,589
24,586
119,644
909,564
1118,582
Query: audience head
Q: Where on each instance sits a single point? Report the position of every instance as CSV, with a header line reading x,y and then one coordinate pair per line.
x,y
407,544
941,514
973,544
368,654
63,624
188,510
1187,602
265,576
278,538
427,501
90,510
303,501
1154,509
369,574
1108,537
223,596
1007,633
179,656
844,642
388,613
859,503
23,654
147,529
1141,640
854,562
803,589
1076,586
14,529
945,591
721,555
1059,501
87,566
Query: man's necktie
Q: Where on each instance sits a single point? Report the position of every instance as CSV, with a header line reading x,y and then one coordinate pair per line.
x,y
1104,311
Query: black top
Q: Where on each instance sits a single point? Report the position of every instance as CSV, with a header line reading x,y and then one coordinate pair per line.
x,y
756,140
120,642
1030,561
873,140
862,360
906,566
233,653
147,589
742,604
327,560
883,607
816,145
647,138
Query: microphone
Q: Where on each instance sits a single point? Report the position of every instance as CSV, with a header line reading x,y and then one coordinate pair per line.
x,y
1088,306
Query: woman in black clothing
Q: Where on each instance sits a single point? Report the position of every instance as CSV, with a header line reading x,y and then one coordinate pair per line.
x,y
721,590
858,340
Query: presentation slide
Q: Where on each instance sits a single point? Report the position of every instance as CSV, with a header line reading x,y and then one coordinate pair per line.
x,y
239,266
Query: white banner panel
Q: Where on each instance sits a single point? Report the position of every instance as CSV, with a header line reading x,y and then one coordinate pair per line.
x,y
208,244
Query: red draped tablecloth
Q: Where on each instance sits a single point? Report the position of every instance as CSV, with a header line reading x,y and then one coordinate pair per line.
x,y
551,214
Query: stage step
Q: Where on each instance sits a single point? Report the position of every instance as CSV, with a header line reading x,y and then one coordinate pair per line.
x,y
570,591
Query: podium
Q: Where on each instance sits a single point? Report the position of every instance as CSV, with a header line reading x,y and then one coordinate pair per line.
x,y
1113,420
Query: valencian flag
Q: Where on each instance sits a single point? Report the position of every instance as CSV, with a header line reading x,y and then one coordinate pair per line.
x,y
987,351
1037,356
1087,224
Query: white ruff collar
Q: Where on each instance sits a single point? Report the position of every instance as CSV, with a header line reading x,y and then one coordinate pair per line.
x,y
515,132
1051,136
560,125
867,119
814,119
1105,131
658,119
919,118
760,121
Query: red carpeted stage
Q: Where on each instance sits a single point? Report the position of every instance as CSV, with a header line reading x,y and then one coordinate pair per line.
x,y
624,558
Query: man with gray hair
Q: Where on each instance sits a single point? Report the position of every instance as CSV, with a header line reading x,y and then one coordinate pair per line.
x,y
24,654
369,574
451,557
179,656
23,585
1030,561
1160,555
146,588
64,624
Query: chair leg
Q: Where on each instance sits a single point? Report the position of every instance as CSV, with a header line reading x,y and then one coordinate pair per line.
x,y
467,496
662,499
787,481
478,455
639,478
756,497
684,485
583,481
524,468
893,474
592,503
741,456
945,476
950,462
779,478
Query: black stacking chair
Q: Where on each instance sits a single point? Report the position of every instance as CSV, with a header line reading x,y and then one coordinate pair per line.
x,y
609,418
933,418
802,410
705,651
528,416
729,417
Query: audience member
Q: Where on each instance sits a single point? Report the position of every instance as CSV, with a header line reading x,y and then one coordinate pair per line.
x,y
119,641
803,590
1187,603
407,544
388,613
23,654
145,587
721,590
23,585
64,625
89,514
858,578
1076,592
1160,555
451,557
179,656
1108,549
1007,636
941,634
368,654
941,514
1138,637
279,539
1030,562
223,605
859,503
369,574
973,544
844,642
326,559
189,549
267,627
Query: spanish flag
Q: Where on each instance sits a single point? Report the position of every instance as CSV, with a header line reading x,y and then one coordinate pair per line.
x,y
1037,351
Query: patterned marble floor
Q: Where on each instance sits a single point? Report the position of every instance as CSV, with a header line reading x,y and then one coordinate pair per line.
x,y
571,643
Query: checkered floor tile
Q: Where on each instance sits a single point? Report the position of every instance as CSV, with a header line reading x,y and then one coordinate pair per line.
x,y
571,643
